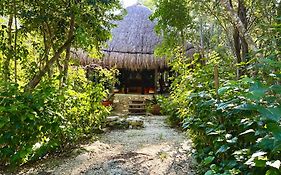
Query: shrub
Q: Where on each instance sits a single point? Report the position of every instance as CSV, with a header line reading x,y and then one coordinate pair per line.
x,y
31,125
236,131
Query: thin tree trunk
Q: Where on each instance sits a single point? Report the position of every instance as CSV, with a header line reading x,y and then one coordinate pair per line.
x,y
46,52
15,42
50,40
37,78
242,13
237,46
67,56
60,67
6,64
240,43
202,38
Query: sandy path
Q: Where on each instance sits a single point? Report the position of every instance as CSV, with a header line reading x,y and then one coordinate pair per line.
x,y
155,149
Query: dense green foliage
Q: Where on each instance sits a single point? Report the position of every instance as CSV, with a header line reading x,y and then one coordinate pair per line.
x,y
47,101
237,134
49,119
228,96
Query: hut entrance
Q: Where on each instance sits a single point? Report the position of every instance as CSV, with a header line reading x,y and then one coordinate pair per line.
x,y
142,82
136,82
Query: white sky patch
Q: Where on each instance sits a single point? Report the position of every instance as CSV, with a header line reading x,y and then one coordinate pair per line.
x,y
127,3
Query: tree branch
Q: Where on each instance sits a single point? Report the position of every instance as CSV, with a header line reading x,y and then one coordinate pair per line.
x,y
37,78
237,21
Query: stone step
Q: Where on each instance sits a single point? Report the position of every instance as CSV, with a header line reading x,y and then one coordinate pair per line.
x,y
137,102
136,109
136,105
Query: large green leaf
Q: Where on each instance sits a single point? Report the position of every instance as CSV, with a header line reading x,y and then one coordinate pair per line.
x,y
246,107
275,128
272,172
266,143
208,160
210,172
257,91
273,113
276,146
276,88
260,163
223,90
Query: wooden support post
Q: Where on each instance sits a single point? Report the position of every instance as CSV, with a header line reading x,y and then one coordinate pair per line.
x,y
142,82
155,80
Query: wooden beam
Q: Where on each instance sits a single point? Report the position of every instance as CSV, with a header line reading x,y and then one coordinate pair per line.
x,y
155,80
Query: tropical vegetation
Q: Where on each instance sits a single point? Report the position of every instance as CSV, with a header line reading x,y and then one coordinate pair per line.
x,y
47,101
228,95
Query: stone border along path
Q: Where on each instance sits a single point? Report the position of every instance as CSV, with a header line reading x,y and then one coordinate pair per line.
x,y
155,149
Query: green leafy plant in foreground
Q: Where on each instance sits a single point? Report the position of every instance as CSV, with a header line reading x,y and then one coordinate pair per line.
x,y
238,135
234,131
49,119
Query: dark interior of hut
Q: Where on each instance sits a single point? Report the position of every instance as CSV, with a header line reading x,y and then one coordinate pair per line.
x,y
142,82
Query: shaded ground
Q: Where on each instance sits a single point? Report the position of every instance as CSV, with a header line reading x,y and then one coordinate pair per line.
x,y
155,149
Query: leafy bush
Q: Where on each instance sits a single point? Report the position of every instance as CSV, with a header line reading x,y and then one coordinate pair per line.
x,y
28,122
236,131
233,135
31,125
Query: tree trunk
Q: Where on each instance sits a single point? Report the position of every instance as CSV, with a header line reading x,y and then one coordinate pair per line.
x,y
67,56
240,43
242,13
15,43
202,38
239,24
6,64
237,46
37,78
47,49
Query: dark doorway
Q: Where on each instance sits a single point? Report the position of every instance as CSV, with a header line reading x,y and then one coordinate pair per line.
x,y
139,82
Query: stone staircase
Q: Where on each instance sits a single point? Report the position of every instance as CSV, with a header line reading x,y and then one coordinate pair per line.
x,y
136,103
137,107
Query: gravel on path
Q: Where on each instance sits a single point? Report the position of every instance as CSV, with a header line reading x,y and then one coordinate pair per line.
x,y
155,149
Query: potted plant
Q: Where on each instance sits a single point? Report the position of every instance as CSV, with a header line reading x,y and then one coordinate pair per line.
x,y
153,106
109,100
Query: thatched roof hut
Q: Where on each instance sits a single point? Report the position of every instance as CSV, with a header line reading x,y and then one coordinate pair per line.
x,y
134,41
132,45
131,50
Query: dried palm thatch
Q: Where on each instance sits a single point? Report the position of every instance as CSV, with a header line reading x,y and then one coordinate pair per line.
x,y
134,41
132,45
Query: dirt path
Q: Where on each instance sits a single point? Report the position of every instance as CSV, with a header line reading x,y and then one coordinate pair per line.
x,y
155,149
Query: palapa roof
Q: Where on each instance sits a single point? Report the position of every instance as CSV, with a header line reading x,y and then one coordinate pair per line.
x,y
133,43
